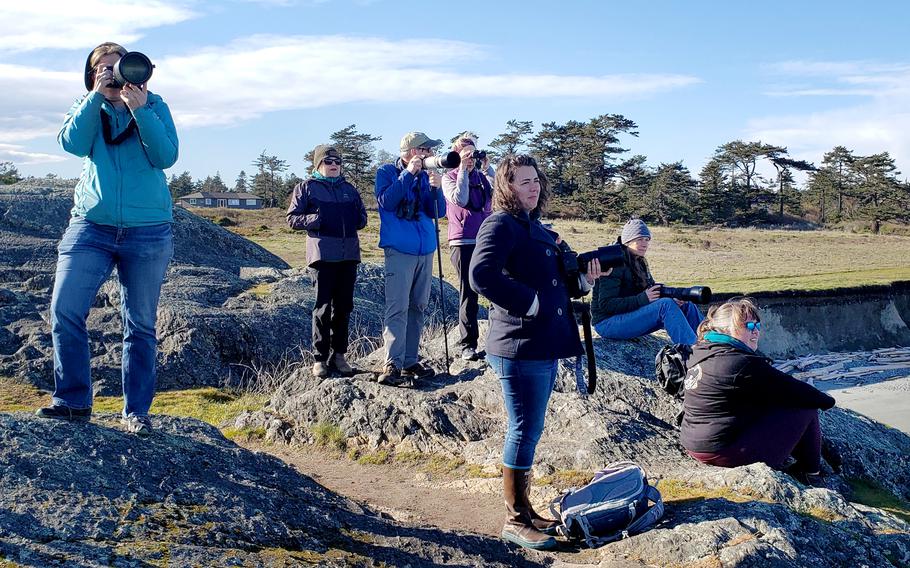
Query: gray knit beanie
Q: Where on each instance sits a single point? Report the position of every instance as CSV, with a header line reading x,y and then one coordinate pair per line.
x,y
633,229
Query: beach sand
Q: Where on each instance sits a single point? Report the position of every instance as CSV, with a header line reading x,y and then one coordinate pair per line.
x,y
887,402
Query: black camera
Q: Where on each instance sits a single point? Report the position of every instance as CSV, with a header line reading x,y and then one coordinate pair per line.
x,y
450,160
694,294
134,68
575,264
479,156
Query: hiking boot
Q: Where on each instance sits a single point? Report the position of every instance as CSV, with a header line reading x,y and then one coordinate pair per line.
x,y
341,365
139,425
469,354
519,526
320,369
58,412
831,454
418,371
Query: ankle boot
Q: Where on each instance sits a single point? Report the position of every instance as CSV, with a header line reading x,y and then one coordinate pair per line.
x,y
519,526
544,525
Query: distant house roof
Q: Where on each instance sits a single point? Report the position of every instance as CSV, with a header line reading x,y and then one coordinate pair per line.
x,y
219,195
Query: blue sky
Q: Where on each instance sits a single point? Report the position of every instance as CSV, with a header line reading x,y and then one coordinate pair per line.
x,y
282,75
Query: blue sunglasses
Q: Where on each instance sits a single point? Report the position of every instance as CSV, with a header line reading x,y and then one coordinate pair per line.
x,y
753,325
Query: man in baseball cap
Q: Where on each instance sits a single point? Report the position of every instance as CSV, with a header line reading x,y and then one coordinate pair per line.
x,y
409,199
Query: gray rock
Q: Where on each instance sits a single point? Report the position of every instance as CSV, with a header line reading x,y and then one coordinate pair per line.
x,y
93,495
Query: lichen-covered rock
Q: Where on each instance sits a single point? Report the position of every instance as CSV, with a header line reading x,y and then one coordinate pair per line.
x,y
93,495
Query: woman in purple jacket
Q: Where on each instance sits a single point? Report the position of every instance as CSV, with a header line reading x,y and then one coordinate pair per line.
x,y
331,212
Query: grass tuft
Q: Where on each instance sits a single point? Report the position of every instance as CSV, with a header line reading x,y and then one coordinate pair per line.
x,y
870,493
330,436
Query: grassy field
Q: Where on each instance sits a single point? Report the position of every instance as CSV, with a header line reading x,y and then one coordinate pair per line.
x,y
728,260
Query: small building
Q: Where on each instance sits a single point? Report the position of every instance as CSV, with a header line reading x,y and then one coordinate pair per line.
x,y
218,199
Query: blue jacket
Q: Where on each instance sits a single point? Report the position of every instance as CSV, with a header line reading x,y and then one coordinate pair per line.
x,y
121,185
515,258
407,207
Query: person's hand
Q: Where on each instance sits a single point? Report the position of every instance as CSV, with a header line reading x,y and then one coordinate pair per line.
x,y
467,161
415,165
134,97
485,167
435,178
595,272
653,292
103,76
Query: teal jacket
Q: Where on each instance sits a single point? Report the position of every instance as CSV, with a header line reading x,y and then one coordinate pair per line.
x,y
121,185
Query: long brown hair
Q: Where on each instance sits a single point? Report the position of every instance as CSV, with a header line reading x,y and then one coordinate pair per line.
x,y
729,316
504,198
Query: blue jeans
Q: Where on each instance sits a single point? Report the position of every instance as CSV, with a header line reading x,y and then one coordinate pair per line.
x,y
87,254
663,313
526,387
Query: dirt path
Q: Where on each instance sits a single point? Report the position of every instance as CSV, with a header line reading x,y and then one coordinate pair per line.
x,y
403,492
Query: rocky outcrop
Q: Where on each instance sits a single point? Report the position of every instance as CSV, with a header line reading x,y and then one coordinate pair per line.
x,y
227,306
92,495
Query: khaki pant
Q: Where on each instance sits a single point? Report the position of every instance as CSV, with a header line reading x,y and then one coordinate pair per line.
x,y
407,292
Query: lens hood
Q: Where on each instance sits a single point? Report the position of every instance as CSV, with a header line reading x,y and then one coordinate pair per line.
x,y
133,68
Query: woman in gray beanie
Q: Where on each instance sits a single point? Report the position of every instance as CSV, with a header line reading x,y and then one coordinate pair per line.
x,y
627,303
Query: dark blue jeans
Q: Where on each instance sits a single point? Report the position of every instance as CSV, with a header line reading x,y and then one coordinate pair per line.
x,y
526,387
87,255
662,313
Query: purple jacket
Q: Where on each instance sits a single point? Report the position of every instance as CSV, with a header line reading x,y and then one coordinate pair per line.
x,y
468,203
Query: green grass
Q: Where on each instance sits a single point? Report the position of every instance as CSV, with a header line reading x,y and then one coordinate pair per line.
x,y
329,436
208,404
728,260
874,495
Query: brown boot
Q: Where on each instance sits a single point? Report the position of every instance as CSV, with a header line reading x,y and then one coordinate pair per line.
x,y
544,525
519,527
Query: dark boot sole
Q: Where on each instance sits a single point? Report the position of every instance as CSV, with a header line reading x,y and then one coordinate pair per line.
x,y
64,418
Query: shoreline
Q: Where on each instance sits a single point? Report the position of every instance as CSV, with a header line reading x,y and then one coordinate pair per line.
x,y
886,401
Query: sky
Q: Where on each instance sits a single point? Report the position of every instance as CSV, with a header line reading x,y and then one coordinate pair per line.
x,y
246,76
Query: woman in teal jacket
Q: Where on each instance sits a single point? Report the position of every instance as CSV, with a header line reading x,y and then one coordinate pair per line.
x,y
121,218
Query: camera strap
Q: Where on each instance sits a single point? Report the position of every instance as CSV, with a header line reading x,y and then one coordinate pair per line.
x,y
584,309
120,138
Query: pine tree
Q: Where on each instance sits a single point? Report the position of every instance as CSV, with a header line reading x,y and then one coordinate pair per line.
x,y
181,185
787,194
357,152
268,183
670,195
880,196
241,185
513,140
8,173
831,186
713,201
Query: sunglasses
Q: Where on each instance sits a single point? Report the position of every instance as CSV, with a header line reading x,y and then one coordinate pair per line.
x,y
753,325
332,161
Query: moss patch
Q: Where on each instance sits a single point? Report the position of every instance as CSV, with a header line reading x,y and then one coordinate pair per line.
x,y
208,404
261,290
256,434
20,396
566,478
874,495
675,490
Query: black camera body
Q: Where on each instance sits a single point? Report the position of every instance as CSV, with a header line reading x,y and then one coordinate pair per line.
x,y
479,156
694,294
575,264
133,68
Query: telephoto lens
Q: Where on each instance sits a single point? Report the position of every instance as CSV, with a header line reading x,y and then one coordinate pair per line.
x,y
450,160
694,294
133,68
610,257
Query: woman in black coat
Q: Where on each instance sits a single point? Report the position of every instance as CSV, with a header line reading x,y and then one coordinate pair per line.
x,y
741,410
517,265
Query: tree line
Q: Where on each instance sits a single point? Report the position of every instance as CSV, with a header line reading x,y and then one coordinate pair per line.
x,y
594,176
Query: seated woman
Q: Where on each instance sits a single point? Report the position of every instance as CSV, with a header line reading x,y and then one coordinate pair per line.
x,y
627,303
741,410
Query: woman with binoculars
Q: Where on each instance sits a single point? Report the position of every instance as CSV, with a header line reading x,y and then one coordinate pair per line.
x,y
517,265
628,304
122,218
738,409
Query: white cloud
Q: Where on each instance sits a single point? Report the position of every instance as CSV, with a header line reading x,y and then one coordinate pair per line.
x,y
22,157
259,74
879,122
69,24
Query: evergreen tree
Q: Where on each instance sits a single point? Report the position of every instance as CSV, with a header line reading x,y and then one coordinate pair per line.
x,y
357,152
713,201
749,196
213,184
268,183
181,185
670,195
513,140
787,194
880,196
8,173
832,184
241,185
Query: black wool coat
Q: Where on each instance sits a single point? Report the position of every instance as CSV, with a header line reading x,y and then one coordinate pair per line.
x,y
515,258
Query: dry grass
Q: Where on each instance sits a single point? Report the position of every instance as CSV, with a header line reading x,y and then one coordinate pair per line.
x,y
728,260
